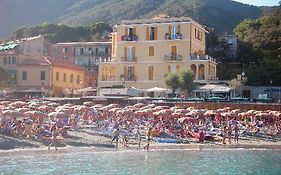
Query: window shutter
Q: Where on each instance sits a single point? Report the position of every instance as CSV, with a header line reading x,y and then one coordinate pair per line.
x,y
178,67
169,69
170,29
179,28
155,33
147,33
126,31
133,52
134,31
125,71
125,53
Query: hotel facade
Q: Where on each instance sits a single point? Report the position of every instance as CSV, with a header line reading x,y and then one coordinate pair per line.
x,y
145,51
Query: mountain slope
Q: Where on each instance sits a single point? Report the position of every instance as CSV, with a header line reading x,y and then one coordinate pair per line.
x,y
223,15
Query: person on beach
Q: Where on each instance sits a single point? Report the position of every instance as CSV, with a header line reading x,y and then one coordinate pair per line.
x,y
224,133
138,135
229,133
54,132
236,133
148,135
115,136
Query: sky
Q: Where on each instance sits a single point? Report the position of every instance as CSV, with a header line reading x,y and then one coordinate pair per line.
x,y
260,2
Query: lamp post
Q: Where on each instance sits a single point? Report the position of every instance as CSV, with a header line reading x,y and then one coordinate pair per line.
x,y
270,95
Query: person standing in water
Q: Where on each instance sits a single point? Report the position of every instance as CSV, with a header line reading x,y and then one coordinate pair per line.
x,y
54,132
148,135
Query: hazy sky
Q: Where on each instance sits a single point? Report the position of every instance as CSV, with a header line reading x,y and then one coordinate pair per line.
x,y
260,2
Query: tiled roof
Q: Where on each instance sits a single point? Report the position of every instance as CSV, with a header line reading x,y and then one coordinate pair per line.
x,y
34,61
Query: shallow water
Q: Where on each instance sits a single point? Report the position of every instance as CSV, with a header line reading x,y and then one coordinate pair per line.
x,y
228,161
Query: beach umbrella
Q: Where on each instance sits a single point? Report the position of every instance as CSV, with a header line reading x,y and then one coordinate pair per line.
x,y
22,110
46,108
53,104
36,114
57,114
5,103
12,113
89,103
138,105
186,119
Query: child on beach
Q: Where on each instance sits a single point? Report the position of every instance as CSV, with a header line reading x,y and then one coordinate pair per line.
x,y
148,134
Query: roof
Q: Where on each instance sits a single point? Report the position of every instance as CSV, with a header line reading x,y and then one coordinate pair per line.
x,y
162,20
35,61
83,43
63,63
8,46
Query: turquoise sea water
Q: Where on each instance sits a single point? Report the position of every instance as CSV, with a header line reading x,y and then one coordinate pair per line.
x,y
229,161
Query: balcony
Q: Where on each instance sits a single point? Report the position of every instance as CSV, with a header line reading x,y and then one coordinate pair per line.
x,y
173,57
171,36
128,77
202,57
129,38
129,59
93,53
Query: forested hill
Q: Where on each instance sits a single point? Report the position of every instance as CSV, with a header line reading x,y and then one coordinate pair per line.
x,y
223,15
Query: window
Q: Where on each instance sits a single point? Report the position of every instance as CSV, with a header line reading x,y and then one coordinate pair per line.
x,y
13,75
24,75
71,78
151,51
81,51
106,50
150,72
97,51
64,77
13,60
5,60
198,34
78,79
64,50
42,75
57,76
65,57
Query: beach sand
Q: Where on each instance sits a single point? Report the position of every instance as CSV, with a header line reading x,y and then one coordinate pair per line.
x,y
87,138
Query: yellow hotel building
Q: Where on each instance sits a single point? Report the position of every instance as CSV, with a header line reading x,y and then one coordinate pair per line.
x,y
145,51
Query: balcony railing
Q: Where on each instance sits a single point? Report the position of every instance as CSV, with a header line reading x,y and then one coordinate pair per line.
x,y
173,57
92,53
202,57
171,36
129,59
129,38
128,77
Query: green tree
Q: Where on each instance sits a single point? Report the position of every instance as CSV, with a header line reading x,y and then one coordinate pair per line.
x,y
172,80
186,82
4,77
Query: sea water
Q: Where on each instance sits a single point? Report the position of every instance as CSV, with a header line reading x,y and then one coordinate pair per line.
x,y
123,162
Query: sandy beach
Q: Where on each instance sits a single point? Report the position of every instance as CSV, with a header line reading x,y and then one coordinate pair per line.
x,y
87,138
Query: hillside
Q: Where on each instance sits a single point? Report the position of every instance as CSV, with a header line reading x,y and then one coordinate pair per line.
x,y
223,15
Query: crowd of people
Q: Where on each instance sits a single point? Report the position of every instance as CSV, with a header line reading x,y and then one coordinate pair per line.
x,y
51,121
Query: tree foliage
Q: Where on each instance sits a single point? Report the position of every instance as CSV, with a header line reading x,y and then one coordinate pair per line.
x,y
172,80
186,82
4,77
260,48
63,33
183,80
